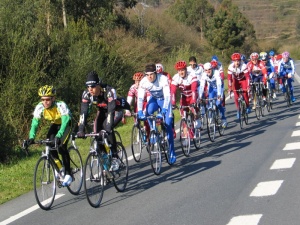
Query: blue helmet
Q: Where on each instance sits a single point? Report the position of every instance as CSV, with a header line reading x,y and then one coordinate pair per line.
x,y
243,57
215,58
271,53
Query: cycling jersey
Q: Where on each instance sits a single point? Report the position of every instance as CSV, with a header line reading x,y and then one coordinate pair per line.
x,y
286,67
213,82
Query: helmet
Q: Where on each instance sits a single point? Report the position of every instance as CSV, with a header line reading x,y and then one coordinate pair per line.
x,y
207,66
215,58
180,65
47,91
214,63
138,76
243,57
159,68
285,55
271,53
263,56
254,55
278,57
235,56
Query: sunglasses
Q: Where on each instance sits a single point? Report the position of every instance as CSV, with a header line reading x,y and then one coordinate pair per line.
x,y
193,64
91,86
46,99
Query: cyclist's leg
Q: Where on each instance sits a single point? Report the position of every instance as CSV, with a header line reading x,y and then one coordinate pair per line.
x,y
64,151
290,84
51,135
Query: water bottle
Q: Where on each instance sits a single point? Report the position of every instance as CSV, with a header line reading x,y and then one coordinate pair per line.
x,y
106,146
58,163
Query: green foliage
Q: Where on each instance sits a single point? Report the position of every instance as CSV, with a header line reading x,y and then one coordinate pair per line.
x,y
229,30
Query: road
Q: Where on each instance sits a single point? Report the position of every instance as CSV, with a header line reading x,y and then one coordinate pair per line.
x,y
246,177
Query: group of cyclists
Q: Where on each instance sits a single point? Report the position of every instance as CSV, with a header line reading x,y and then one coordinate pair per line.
x,y
156,90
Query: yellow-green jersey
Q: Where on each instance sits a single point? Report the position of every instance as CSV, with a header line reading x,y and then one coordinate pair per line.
x,y
58,113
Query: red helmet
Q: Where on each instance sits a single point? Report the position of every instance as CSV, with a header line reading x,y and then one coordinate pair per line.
x,y
138,76
236,56
214,63
180,65
278,57
254,55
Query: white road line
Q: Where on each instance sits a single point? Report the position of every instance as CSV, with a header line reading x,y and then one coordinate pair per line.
x,y
25,212
298,124
245,220
296,133
283,164
266,188
292,146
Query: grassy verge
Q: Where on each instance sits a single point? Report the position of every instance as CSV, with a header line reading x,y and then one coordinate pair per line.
x,y
17,178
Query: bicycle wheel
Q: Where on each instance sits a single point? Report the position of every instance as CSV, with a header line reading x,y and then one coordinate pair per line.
x,y
44,183
120,176
185,139
165,145
287,96
93,179
245,114
268,100
211,125
219,124
118,136
257,108
155,153
136,143
241,113
76,170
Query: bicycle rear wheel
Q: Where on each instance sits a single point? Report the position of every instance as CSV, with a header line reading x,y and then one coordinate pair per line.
x,y
211,125
120,176
44,183
185,139
219,124
93,179
241,113
136,143
76,170
257,108
155,153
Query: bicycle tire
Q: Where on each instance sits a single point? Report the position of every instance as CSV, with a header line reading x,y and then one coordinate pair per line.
x,y
136,143
268,100
221,129
155,153
245,114
241,114
211,124
185,139
120,176
197,133
76,170
118,136
94,179
44,183
257,108
165,145
287,96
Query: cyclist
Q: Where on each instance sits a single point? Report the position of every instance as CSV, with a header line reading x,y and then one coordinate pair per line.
x,y
244,59
270,70
187,83
214,86
60,116
105,98
217,66
258,73
238,77
157,85
286,70
195,68
271,55
160,70
133,94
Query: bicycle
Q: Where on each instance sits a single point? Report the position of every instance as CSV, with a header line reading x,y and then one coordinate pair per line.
x,y
98,172
269,96
287,93
188,130
138,139
242,108
257,97
212,121
158,142
48,175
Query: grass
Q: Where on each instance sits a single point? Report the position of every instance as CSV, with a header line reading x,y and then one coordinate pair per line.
x,y
17,178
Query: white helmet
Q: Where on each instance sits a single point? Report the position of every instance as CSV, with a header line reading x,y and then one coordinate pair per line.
x,y
207,66
159,68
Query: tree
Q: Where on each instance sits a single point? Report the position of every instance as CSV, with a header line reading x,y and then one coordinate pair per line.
x,y
228,29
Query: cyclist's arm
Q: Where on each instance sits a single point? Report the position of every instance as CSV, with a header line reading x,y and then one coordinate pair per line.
x,y
84,109
65,119
167,94
34,126
173,91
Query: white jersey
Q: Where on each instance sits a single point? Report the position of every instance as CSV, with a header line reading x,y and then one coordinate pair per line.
x,y
159,89
185,83
197,71
237,73
214,81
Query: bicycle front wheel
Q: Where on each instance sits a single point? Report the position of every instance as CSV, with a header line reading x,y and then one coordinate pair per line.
x,y
120,176
245,114
165,145
219,124
93,179
76,170
44,183
136,143
287,96
185,139
241,114
268,100
211,125
155,153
